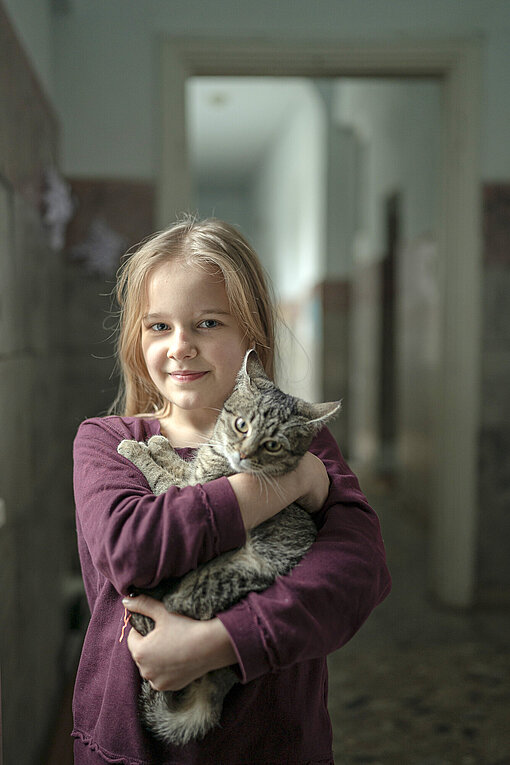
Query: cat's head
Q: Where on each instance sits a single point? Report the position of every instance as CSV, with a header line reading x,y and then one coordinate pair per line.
x,y
263,429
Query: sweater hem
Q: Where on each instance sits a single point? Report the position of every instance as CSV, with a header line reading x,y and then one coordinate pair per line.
x,y
109,757
113,759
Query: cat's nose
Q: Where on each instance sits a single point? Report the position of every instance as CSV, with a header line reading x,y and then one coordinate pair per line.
x,y
242,455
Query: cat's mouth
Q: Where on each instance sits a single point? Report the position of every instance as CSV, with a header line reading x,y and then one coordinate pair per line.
x,y
238,463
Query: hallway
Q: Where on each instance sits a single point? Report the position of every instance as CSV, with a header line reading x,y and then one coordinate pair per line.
x,y
420,685
380,204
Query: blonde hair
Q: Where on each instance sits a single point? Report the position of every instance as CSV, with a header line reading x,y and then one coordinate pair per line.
x,y
204,244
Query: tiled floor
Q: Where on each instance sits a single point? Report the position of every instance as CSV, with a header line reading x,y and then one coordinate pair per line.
x,y
421,685
418,685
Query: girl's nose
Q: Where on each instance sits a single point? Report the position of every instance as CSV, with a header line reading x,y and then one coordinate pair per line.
x,y
180,347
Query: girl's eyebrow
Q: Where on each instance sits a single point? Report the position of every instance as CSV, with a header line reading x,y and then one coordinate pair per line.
x,y
217,311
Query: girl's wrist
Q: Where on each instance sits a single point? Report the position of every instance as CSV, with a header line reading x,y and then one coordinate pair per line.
x,y
257,501
219,649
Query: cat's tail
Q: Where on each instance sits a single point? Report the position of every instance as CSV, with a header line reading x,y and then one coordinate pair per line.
x,y
189,714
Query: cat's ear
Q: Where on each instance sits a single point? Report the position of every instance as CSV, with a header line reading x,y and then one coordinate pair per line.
x,y
252,367
319,414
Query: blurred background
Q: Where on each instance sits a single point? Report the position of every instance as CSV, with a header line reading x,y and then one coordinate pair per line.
x,y
362,147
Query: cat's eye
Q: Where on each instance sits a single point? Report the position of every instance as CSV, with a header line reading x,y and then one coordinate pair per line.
x,y
272,446
241,425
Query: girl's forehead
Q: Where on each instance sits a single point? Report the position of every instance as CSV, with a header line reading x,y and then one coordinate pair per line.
x,y
178,280
183,266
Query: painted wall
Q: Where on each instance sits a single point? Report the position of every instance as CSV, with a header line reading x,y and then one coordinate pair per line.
x,y
37,515
232,204
106,64
99,61
34,25
288,196
398,128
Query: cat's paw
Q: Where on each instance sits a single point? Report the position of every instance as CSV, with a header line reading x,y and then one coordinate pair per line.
x,y
163,452
131,449
159,445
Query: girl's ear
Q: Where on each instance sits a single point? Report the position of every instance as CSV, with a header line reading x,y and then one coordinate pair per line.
x,y
319,414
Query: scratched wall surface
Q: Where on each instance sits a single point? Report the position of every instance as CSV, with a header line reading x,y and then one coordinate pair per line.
x,y
33,555
55,370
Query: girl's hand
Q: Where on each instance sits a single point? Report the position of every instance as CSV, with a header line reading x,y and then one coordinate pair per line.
x,y
179,649
314,481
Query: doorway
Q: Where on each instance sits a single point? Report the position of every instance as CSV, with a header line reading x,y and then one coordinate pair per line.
x,y
453,527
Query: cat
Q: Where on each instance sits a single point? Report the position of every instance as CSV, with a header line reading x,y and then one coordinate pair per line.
x,y
260,430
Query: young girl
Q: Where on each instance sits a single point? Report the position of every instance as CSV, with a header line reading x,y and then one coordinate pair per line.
x,y
193,299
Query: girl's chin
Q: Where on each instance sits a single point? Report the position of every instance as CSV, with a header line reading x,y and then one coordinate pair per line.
x,y
190,403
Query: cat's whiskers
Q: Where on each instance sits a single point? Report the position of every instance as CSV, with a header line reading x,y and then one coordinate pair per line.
x,y
268,481
213,444
271,481
261,482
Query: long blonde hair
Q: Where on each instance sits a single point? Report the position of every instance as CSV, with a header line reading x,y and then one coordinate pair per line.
x,y
203,243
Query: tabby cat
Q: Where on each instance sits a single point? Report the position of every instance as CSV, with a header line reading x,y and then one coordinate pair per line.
x,y
260,430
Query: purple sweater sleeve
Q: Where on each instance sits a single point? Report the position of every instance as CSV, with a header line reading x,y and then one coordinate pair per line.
x,y
131,536
321,604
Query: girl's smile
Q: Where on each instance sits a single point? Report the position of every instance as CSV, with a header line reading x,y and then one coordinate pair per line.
x,y
187,376
192,345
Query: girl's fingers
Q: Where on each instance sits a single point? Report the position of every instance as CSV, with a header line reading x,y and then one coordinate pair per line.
x,y
143,604
133,642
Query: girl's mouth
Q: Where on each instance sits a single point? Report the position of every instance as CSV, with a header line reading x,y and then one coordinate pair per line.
x,y
186,377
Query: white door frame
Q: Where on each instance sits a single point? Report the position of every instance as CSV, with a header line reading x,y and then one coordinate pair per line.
x,y
458,66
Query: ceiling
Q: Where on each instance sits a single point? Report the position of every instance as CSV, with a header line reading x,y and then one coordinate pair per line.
x,y
231,121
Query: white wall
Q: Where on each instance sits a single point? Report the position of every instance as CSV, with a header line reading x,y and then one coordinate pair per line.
x,y
398,123
288,198
33,24
106,63
398,126
99,61
289,213
232,204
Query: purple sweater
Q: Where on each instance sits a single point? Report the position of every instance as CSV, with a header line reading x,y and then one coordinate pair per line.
x,y
127,536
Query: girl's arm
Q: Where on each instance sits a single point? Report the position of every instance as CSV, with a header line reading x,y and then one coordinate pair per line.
x,y
180,649
322,603
135,538
308,484
309,613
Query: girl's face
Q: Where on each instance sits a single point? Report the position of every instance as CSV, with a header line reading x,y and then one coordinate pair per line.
x,y
192,345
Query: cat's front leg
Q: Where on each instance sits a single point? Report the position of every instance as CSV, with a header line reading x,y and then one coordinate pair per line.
x,y
138,453
165,455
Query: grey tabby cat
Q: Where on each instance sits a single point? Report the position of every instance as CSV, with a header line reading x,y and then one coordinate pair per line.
x,y
260,430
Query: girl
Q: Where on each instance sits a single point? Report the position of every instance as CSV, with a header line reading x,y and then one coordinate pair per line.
x,y
193,299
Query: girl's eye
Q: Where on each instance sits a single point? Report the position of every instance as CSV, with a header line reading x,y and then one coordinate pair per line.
x,y
209,323
159,327
241,425
272,446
